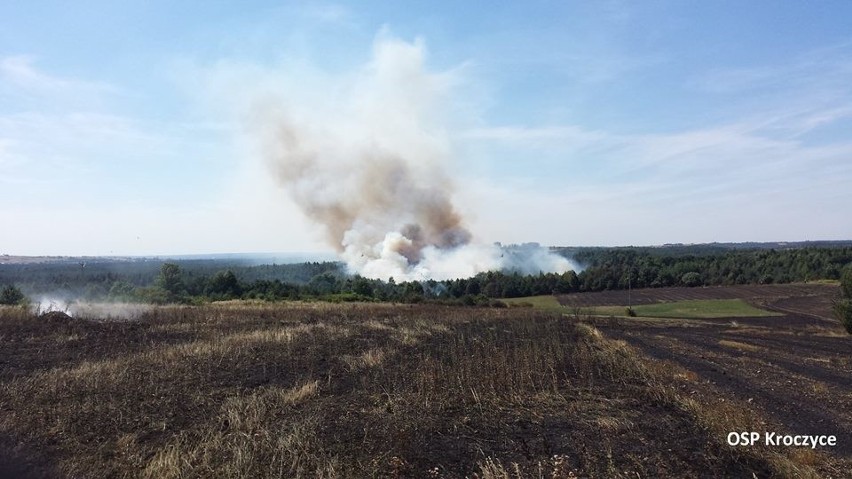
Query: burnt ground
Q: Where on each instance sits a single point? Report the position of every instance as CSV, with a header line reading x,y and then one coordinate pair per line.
x,y
319,390
795,369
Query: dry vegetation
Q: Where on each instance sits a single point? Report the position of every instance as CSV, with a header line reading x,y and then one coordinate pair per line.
x,y
319,390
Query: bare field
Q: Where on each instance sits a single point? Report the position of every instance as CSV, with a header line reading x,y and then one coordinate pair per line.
x,y
795,369
319,390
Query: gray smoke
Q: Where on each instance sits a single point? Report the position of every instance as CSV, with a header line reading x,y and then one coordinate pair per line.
x,y
372,172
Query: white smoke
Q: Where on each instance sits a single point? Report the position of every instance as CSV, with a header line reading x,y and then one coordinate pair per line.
x,y
369,161
47,304
88,309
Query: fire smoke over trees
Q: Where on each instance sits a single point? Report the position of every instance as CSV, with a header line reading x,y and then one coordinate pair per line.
x,y
372,170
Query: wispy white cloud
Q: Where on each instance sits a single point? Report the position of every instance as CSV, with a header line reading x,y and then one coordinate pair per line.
x,y
786,100
690,174
521,134
64,140
586,59
815,79
329,13
20,72
812,73
72,141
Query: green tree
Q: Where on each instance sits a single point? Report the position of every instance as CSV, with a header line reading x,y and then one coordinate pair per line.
x,y
170,280
225,284
11,295
843,306
846,283
362,286
325,283
472,287
121,290
843,312
691,279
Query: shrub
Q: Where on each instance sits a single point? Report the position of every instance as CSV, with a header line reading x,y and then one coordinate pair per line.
x,y
691,279
170,280
846,283
11,295
843,306
843,311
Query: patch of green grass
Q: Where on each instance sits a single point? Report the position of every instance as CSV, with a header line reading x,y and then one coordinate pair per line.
x,y
546,302
693,309
824,281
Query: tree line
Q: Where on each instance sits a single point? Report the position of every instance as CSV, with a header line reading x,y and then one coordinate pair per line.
x,y
606,269
603,269
643,268
103,278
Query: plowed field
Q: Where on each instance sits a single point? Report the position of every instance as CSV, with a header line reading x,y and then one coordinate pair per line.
x,y
796,369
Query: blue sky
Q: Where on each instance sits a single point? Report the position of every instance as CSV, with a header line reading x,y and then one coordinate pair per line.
x,y
123,124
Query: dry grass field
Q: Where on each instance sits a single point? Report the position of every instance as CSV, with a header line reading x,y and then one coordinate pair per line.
x,y
320,390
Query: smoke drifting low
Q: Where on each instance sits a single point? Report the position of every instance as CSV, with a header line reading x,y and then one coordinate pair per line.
x,y
372,170
88,309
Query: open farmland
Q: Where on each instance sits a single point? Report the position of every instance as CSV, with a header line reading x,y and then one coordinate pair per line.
x,y
695,309
794,368
752,293
320,390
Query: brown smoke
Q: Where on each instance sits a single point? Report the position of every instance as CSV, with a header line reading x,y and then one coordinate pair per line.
x,y
379,189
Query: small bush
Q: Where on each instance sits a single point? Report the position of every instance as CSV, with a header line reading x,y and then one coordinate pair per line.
x,y
351,298
520,304
843,311
846,283
631,312
691,279
11,295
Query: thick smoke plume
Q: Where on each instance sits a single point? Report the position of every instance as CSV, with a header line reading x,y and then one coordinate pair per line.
x,y
372,170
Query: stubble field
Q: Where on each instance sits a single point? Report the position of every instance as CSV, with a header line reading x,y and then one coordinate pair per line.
x,y
322,390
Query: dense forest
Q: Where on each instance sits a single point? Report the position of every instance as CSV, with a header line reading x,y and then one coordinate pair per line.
x,y
161,281
651,268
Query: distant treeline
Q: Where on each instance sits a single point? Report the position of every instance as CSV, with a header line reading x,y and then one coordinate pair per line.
x,y
604,269
645,268
99,278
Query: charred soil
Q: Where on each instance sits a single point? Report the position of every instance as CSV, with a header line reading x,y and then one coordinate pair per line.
x,y
320,390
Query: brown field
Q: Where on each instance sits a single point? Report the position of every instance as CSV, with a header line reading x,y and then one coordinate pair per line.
x,y
794,370
319,390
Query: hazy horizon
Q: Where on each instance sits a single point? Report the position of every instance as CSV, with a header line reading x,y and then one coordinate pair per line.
x,y
328,255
